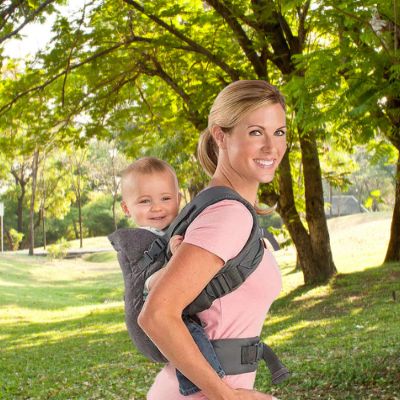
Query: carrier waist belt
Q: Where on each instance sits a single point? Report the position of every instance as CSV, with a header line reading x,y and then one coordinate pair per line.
x,y
239,356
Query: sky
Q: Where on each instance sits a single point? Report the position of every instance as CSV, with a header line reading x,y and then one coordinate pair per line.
x,y
35,35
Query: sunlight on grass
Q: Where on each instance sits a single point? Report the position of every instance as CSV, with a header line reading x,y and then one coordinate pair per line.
x,y
51,337
63,335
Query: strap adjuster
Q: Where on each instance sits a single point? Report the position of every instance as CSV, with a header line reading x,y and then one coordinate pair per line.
x,y
154,251
252,354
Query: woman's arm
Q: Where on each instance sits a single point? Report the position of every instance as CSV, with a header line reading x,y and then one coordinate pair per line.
x,y
184,277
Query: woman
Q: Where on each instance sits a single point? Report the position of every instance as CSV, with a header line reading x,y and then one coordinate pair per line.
x,y
241,148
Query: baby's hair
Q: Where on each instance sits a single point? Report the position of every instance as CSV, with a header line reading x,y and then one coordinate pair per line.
x,y
145,166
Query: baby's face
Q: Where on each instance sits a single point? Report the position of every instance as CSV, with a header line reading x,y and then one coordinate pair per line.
x,y
152,199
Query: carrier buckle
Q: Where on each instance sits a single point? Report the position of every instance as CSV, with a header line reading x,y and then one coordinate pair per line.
x,y
154,251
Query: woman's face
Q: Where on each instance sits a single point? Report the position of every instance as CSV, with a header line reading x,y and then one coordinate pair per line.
x,y
257,144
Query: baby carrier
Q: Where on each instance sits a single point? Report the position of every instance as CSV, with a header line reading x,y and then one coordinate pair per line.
x,y
141,253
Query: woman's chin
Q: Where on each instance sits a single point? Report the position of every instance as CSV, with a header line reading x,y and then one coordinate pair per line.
x,y
267,178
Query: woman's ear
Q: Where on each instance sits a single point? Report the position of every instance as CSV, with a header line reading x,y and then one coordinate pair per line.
x,y
219,136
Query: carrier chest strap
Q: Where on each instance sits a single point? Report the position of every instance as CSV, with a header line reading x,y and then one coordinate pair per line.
x,y
152,254
240,356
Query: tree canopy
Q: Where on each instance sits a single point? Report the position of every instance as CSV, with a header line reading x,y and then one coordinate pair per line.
x,y
144,74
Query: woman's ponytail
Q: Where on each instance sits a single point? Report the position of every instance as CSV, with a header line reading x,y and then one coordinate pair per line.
x,y
207,152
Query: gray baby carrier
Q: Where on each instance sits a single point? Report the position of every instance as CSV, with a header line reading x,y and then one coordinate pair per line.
x,y
141,253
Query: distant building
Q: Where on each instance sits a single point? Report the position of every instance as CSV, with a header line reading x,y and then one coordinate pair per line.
x,y
343,205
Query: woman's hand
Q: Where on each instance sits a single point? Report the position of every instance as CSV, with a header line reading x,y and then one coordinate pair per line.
x,y
175,242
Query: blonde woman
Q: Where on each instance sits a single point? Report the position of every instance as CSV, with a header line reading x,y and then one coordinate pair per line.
x,y
242,147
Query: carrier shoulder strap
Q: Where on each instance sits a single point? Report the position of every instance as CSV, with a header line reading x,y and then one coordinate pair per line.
x,y
203,200
236,270
186,216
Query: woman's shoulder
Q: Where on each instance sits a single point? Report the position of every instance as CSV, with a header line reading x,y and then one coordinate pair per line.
x,y
228,208
222,228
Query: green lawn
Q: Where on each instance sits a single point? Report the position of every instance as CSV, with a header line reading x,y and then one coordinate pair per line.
x,y
62,332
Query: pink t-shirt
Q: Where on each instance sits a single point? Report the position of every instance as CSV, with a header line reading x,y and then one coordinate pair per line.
x,y
223,229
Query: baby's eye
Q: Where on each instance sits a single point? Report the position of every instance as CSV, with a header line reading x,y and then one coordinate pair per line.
x,y
166,198
256,132
279,132
144,201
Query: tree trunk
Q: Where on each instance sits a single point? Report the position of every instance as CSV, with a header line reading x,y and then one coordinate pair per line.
x,y
113,211
80,219
44,229
393,251
307,257
32,206
20,208
75,229
315,212
291,218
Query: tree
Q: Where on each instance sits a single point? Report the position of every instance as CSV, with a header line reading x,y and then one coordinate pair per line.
x,y
76,163
54,190
105,162
367,59
150,70
35,166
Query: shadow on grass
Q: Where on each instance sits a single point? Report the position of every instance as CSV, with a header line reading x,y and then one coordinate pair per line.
x,y
340,340
345,292
90,357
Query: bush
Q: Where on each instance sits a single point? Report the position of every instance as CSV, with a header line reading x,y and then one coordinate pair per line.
x,y
59,249
16,238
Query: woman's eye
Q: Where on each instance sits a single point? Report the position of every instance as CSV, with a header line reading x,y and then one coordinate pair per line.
x,y
256,133
280,133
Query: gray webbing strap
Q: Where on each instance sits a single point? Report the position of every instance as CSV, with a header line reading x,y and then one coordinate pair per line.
x,y
271,238
239,356
152,254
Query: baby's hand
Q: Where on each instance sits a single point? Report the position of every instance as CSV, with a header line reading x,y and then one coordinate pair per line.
x,y
175,242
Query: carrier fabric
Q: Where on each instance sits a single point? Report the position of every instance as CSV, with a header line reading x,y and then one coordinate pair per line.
x,y
229,316
130,245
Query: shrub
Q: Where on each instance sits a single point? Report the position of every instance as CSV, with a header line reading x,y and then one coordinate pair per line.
x,y
16,238
59,249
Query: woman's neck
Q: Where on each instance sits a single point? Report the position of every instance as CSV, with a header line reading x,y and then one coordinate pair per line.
x,y
247,191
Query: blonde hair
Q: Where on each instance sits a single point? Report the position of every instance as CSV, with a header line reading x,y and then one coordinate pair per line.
x,y
229,107
145,166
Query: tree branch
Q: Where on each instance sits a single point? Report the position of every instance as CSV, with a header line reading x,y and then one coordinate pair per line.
x,y
27,20
234,75
243,40
194,116
70,55
7,13
365,23
270,23
302,32
8,105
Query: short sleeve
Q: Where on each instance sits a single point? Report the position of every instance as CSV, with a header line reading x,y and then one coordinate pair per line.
x,y
222,229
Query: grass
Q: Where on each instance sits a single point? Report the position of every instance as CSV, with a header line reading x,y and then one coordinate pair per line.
x,y
62,331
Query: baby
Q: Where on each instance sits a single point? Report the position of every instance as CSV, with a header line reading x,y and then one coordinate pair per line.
x,y
150,196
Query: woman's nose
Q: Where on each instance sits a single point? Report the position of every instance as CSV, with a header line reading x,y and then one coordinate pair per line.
x,y
270,145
